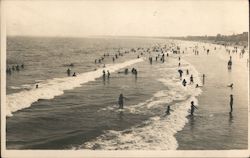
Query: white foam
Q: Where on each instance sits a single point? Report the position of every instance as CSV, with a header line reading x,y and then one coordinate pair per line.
x,y
158,132
55,87
15,87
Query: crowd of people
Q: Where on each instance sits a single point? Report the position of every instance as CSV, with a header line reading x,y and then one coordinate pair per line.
x,y
161,54
191,81
14,68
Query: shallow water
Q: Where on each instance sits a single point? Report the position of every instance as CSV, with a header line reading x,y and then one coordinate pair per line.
x,y
214,128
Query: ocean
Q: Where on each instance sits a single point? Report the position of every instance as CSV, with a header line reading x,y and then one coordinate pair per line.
x,y
78,113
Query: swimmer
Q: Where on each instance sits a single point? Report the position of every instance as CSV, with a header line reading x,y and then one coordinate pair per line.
x,y
231,85
197,86
74,74
36,85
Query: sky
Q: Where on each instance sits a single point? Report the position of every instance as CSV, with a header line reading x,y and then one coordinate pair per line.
x,y
79,18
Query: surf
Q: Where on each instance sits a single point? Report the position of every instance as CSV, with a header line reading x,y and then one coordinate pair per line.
x,y
158,131
50,88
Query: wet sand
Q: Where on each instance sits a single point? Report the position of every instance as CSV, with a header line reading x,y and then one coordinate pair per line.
x,y
213,128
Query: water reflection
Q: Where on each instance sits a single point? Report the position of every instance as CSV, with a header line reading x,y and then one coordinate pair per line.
x,y
230,117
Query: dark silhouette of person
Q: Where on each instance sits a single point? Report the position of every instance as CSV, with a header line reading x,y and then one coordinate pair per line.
x,y
191,79
230,63
168,110
74,74
68,72
108,74
121,101
197,86
17,67
180,72
192,108
135,71
184,82
126,71
203,79
231,85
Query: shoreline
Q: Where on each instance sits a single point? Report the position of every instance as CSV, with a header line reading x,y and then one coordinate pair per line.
x,y
214,107
219,43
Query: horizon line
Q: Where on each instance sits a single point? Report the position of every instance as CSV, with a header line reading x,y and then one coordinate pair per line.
x,y
136,36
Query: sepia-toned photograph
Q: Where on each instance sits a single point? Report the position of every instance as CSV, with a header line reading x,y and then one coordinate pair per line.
x,y
108,78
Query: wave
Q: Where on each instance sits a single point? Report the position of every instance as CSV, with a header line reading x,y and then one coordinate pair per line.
x,y
158,132
55,87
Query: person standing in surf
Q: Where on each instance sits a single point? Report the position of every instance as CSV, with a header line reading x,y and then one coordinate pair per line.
x,y
184,82
168,110
230,63
203,79
191,79
121,101
231,103
192,108
108,74
103,74
68,72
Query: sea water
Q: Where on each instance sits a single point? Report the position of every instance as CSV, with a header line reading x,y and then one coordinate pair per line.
x,y
81,112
